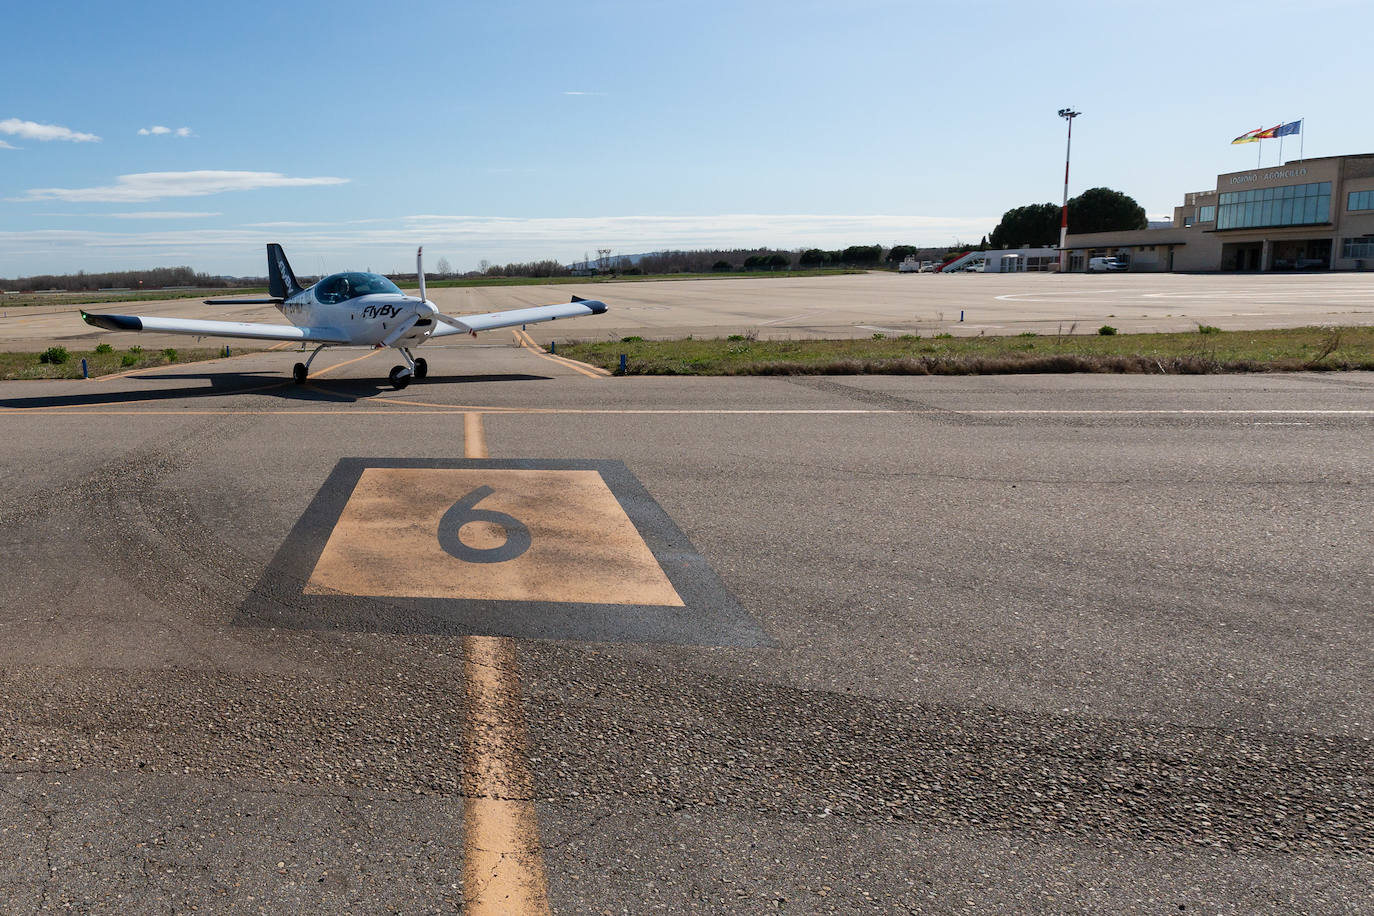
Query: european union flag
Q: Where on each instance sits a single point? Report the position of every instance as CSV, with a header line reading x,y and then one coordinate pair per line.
x,y
1292,127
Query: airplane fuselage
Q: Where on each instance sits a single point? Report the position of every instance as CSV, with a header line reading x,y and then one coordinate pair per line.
x,y
366,320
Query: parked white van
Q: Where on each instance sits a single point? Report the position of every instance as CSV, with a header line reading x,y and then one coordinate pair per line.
x,y
1097,264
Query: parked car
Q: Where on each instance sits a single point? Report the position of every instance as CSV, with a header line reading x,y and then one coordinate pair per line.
x,y
1096,265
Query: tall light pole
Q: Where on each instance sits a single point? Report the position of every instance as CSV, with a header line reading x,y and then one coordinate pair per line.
x,y
1068,114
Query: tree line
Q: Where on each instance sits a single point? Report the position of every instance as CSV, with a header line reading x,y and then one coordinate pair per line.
x,y
699,261
545,268
722,260
706,260
153,278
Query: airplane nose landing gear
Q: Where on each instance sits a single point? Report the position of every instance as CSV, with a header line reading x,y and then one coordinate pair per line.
x,y
421,367
400,377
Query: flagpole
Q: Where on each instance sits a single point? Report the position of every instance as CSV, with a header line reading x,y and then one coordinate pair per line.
x,y
1259,152
1302,136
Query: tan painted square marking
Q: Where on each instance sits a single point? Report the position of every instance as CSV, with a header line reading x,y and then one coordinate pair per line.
x,y
582,546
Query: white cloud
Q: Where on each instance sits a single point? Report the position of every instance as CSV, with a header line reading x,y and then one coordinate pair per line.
x,y
581,92
304,224
157,130
31,130
158,185
162,214
4,145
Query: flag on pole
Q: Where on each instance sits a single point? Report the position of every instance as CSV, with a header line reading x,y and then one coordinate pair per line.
x,y
1286,129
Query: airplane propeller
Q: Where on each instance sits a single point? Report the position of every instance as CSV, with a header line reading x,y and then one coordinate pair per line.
x,y
452,322
420,270
434,310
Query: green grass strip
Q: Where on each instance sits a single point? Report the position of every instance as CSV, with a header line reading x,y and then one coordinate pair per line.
x,y
1196,352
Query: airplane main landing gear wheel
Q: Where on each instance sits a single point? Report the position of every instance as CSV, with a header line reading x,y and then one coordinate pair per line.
x,y
298,373
421,367
400,377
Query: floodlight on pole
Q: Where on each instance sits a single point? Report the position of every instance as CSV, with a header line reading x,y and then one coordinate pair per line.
x,y
1068,114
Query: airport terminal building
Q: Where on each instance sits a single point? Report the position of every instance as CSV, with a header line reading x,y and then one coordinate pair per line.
x,y
1308,214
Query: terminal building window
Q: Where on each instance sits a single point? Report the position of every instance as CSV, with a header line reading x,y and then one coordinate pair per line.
x,y
1361,200
1357,248
1206,214
1291,205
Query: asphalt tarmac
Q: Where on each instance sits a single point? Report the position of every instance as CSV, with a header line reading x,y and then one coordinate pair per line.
x,y
1036,644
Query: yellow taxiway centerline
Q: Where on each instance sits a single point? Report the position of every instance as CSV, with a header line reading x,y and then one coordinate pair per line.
x,y
348,362
527,342
133,372
474,436
503,865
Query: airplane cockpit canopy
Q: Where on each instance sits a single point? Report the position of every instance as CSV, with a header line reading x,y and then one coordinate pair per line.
x,y
337,288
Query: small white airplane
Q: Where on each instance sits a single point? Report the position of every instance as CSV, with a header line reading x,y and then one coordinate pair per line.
x,y
347,310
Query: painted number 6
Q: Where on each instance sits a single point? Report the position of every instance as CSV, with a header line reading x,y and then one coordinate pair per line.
x,y
464,511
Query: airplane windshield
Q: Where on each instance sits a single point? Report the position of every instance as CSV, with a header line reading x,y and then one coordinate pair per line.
x,y
342,287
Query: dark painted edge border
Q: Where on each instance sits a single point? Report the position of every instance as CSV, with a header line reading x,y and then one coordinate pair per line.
x,y
712,616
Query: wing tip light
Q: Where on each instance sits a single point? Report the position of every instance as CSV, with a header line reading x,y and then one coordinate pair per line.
x,y
112,322
597,307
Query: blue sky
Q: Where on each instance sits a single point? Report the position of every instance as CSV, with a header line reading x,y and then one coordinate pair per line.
x,y
352,132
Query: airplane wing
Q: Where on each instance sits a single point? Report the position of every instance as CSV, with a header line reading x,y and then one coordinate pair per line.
x,y
491,320
201,328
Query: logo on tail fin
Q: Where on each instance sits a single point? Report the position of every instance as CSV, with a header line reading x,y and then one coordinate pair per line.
x,y
280,280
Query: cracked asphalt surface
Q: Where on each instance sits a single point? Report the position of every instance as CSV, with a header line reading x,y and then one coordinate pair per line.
x,y
1042,644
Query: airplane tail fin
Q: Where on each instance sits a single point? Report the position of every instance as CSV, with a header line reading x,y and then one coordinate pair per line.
x,y
281,281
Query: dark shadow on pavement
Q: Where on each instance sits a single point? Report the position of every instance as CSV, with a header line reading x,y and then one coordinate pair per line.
x,y
223,384
350,389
